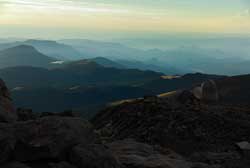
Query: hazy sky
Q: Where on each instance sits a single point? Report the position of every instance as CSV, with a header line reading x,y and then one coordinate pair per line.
x,y
72,18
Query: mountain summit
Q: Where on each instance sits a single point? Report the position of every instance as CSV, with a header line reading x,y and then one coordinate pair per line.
x,y
23,55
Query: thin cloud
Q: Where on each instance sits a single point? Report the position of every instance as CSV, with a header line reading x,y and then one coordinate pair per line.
x,y
2,6
65,5
2,3
245,13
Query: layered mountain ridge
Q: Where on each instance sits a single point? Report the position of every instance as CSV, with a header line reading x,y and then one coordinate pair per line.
x,y
23,55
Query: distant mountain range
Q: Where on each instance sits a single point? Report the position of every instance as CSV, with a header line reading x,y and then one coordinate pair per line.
x,y
116,53
126,56
76,85
103,49
93,81
86,86
82,72
23,55
51,48
179,60
29,72
88,83
109,63
172,61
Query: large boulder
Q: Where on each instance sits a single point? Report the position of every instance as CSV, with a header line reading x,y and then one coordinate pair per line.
x,y
93,156
133,154
50,137
197,92
7,111
209,91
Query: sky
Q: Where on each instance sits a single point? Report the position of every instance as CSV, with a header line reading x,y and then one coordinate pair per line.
x,y
80,18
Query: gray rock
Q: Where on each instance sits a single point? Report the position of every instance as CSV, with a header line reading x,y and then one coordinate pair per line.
x,y
61,165
50,137
197,92
215,158
7,142
244,145
93,156
209,91
7,111
14,165
138,155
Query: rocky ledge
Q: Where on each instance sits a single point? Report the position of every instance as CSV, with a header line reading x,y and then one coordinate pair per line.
x,y
214,134
7,112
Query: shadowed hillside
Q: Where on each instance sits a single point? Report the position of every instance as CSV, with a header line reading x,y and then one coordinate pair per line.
x,y
23,55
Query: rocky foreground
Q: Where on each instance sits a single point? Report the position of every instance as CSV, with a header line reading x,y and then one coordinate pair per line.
x,y
207,134
49,140
178,131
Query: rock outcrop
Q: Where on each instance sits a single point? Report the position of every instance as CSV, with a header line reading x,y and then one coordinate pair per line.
x,y
53,142
50,137
182,123
93,156
207,92
7,111
7,142
229,90
133,154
